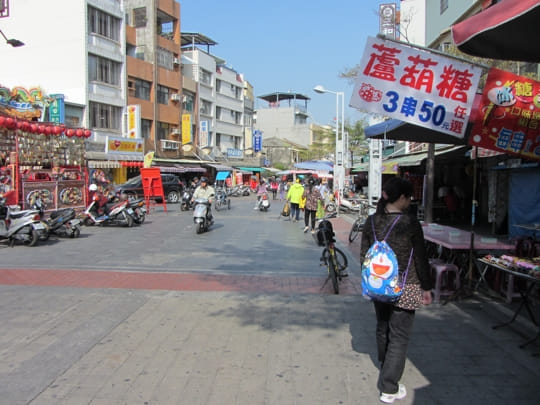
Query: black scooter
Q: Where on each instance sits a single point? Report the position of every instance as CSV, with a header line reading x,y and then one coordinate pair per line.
x,y
186,203
61,222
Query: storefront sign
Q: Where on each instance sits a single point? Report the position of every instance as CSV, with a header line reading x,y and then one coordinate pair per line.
x,y
232,152
203,140
57,109
387,20
134,121
186,128
416,86
510,115
257,141
123,146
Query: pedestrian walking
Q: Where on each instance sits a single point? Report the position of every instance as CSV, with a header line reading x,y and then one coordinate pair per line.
x,y
312,196
395,320
294,195
282,189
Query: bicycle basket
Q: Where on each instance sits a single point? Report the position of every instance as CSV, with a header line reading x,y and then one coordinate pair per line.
x,y
325,232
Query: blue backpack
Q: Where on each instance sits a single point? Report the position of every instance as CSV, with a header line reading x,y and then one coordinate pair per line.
x,y
380,272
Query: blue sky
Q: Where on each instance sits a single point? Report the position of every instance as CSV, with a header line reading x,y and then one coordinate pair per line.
x,y
284,45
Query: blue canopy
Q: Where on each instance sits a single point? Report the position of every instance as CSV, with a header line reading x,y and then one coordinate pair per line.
x,y
316,165
222,175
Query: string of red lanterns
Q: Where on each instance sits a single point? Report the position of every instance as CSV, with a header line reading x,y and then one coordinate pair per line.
x,y
44,128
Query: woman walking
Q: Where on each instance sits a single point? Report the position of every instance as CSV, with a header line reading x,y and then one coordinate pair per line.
x,y
312,196
395,320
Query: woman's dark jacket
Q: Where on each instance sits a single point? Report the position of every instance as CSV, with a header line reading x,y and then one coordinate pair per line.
x,y
406,234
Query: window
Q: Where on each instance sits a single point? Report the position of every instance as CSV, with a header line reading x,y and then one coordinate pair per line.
x,y
165,58
146,128
238,93
205,77
139,16
142,89
162,95
105,116
188,101
218,85
163,130
103,70
206,107
218,113
237,117
444,5
103,24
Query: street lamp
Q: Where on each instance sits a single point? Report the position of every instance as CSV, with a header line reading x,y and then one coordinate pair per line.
x,y
339,169
15,43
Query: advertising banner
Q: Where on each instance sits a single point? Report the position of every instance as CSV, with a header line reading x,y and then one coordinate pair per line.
x,y
134,121
510,115
123,146
203,141
416,86
186,128
257,141
57,109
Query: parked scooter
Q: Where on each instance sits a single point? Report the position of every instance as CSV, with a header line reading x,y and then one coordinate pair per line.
x,y
19,225
137,210
200,218
61,222
263,203
102,211
186,204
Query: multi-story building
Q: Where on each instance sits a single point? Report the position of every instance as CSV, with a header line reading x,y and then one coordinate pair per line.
x,y
154,78
284,116
223,109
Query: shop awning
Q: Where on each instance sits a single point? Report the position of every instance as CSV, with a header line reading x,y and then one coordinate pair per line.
x,y
180,169
317,165
391,166
218,167
103,164
222,175
251,169
503,31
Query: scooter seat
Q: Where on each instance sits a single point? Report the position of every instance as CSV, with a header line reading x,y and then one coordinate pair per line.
x,y
19,214
66,213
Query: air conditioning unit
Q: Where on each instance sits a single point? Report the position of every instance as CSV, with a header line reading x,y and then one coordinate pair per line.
x,y
176,61
175,97
175,131
169,145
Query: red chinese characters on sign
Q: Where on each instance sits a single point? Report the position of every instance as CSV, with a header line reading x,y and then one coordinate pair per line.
x,y
416,86
510,119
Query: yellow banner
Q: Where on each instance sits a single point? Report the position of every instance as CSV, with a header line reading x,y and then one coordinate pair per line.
x,y
123,145
186,128
148,159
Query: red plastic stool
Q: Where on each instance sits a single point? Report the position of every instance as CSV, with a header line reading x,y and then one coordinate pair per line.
x,y
446,279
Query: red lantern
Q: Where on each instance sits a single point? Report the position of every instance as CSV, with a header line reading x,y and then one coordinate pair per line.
x,y
47,130
41,129
70,132
57,130
2,121
26,126
11,123
79,133
87,133
34,128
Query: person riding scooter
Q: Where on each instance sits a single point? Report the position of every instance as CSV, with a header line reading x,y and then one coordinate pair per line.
x,y
261,190
205,191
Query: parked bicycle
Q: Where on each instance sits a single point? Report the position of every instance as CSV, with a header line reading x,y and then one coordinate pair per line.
x,y
358,224
222,200
331,257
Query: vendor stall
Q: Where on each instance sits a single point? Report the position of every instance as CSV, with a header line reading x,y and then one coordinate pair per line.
x,y
38,158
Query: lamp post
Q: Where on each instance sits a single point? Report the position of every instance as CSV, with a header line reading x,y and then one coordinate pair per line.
x,y
339,169
15,43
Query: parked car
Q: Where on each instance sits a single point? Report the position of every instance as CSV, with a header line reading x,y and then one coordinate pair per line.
x,y
172,188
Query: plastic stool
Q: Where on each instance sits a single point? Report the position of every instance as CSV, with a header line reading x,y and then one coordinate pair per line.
x,y
442,280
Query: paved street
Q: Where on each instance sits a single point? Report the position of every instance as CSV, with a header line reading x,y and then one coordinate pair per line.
x,y
159,315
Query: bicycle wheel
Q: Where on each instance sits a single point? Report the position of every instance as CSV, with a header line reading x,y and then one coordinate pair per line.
x,y
332,273
341,259
355,230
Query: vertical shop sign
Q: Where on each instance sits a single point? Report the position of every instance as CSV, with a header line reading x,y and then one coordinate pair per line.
x,y
57,109
257,141
387,20
203,140
186,128
134,121
416,86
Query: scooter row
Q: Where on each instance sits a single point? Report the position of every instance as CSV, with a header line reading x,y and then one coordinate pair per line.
x,y
111,210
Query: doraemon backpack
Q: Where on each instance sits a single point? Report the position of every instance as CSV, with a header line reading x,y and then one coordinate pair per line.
x,y
380,272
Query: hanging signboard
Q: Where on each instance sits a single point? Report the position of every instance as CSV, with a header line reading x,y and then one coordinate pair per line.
x,y
416,86
134,121
186,128
203,140
510,118
257,141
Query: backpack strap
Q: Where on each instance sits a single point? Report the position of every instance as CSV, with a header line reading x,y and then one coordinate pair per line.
x,y
387,232
407,269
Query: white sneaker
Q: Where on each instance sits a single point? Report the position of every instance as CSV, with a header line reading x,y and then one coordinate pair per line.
x,y
390,398
306,229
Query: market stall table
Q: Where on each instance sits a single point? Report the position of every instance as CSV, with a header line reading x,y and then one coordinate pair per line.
x,y
524,292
